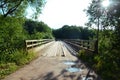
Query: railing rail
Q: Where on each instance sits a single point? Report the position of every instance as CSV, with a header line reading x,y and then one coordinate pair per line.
x,y
34,43
84,44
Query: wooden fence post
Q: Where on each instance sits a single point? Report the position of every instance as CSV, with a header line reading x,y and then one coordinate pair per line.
x,y
25,45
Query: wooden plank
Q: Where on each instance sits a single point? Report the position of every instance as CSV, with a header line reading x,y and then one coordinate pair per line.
x,y
33,43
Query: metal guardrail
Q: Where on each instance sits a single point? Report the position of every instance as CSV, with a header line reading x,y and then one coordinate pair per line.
x,y
84,44
35,43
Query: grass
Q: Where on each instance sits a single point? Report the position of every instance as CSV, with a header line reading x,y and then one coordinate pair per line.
x,y
12,61
7,68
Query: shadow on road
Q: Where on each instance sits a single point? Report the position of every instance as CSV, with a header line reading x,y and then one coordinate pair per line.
x,y
62,76
66,75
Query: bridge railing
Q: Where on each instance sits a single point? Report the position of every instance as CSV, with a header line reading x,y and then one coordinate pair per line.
x,y
84,44
34,43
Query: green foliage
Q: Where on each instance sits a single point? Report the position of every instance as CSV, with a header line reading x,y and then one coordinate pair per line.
x,y
12,53
81,54
107,65
104,44
107,61
17,56
12,34
7,68
86,56
12,45
73,32
38,30
18,7
11,61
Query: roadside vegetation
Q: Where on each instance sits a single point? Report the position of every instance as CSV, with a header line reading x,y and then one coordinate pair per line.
x,y
11,61
15,29
107,62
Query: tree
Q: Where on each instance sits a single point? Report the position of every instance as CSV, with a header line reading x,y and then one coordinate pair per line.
x,y
15,7
109,18
37,30
12,34
73,32
107,62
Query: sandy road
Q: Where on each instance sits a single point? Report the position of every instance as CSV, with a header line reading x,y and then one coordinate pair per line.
x,y
50,65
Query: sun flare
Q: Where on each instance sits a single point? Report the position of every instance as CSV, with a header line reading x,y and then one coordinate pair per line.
x,y
105,3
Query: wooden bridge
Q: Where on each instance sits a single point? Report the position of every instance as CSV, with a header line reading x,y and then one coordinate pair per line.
x,y
76,44
56,61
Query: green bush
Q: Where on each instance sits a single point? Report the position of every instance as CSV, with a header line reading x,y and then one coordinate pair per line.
x,y
12,45
86,56
7,68
19,57
12,60
107,65
11,33
82,54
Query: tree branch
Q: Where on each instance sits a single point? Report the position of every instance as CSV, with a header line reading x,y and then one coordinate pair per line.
x,y
2,4
11,10
3,11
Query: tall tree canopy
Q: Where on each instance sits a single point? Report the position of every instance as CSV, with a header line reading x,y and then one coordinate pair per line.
x,y
18,7
109,17
73,32
37,30
107,61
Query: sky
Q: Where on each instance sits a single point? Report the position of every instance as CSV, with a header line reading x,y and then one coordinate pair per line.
x,y
57,13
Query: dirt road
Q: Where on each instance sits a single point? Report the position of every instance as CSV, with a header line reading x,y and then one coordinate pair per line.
x,y
54,63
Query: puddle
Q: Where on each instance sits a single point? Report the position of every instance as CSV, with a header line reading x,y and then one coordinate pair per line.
x,y
69,63
73,69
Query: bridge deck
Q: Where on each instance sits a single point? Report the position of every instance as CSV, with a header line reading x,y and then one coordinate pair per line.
x,y
50,65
